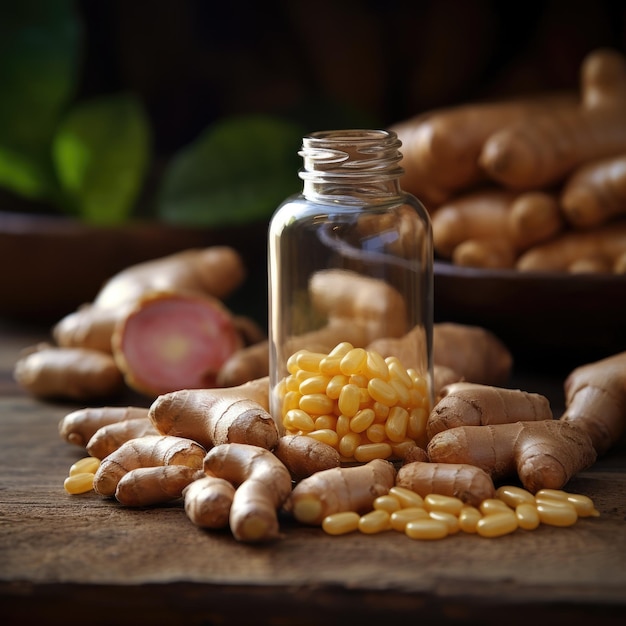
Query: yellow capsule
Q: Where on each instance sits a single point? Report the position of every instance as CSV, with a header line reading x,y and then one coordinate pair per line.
x,y
439,502
583,504
341,523
316,404
468,518
493,505
416,427
407,497
400,518
376,433
353,362
396,424
335,385
398,372
404,397
292,362
325,435
291,401
365,401
382,391
497,524
291,383
79,483
348,444
314,384
349,400
527,516
86,465
341,349
557,514
512,495
297,419
376,521
362,420
343,426
375,366
419,382
451,520
426,529
329,366
326,421
309,361
387,502
381,411
359,380
369,451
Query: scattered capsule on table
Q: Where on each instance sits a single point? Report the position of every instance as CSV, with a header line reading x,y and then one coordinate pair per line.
x,y
527,516
468,518
407,497
497,524
553,514
400,518
512,495
493,505
376,521
341,523
426,529
79,483
438,502
88,464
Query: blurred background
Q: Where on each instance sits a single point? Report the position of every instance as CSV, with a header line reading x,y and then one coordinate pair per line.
x,y
189,113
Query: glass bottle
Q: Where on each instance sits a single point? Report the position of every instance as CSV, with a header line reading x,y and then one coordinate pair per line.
x,y
350,262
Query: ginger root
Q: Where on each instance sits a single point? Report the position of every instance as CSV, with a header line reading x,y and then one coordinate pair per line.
x,y
544,454
146,486
50,372
172,341
217,416
303,456
110,437
148,451
208,501
79,426
470,484
216,271
471,404
262,483
595,400
340,489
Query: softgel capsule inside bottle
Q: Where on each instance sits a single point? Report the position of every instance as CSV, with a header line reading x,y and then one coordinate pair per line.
x,y
350,264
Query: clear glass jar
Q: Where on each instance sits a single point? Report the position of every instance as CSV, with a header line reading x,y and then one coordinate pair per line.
x,y
350,262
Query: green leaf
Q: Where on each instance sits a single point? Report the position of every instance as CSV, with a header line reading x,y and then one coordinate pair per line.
x,y
238,171
101,152
39,62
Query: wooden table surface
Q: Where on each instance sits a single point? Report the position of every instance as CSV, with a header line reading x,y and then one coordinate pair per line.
x,y
86,560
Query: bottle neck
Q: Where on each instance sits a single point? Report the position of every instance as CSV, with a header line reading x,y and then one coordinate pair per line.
x,y
351,166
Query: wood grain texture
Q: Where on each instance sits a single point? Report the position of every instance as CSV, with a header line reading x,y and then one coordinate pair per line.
x,y
69,559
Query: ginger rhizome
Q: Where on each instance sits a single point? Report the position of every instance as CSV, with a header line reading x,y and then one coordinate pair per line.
x,y
50,372
171,341
543,454
262,485
467,482
303,456
145,486
79,426
148,451
217,416
340,489
595,400
471,404
208,501
110,437
216,271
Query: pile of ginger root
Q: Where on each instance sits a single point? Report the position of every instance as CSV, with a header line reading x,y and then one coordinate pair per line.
x,y
535,184
220,454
